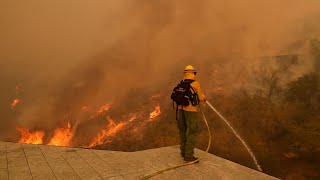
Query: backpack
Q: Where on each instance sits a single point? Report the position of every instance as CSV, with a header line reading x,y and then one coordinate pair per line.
x,y
182,94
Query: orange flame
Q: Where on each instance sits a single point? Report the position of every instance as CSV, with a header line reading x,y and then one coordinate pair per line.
x,y
14,103
35,137
115,128
152,116
133,118
111,130
102,109
62,136
155,113
85,108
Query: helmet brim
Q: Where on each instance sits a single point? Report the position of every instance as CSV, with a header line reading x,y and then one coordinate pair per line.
x,y
190,71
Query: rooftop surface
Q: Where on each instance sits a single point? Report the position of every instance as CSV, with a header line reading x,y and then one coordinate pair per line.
x,y
26,161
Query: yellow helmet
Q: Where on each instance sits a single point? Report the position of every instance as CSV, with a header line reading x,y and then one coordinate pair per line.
x,y
190,68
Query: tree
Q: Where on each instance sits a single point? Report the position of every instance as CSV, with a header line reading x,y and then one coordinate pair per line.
x,y
305,90
268,82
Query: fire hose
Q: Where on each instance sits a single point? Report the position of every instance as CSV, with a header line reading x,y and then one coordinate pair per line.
x,y
192,162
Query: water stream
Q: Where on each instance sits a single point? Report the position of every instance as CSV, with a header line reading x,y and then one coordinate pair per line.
x,y
238,136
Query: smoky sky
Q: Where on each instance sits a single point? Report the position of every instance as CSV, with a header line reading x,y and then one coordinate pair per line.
x,y
66,54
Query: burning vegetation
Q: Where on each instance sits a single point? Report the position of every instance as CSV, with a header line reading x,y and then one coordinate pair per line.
x,y
258,63
63,136
35,137
111,130
14,103
155,113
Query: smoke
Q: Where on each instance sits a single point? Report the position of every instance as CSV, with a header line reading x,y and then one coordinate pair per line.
x,y
65,55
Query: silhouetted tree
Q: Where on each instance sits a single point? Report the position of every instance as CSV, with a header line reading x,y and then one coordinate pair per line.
x,y
268,82
305,90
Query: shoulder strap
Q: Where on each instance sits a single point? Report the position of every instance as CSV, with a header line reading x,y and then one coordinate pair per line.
x,y
195,95
188,81
177,114
191,81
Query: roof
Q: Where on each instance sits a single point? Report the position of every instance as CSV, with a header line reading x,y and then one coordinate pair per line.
x,y
26,161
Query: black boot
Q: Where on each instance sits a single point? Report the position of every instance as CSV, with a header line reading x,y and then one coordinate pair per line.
x,y
190,159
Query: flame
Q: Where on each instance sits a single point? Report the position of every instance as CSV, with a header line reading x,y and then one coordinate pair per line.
x,y
155,113
140,125
62,136
111,130
85,108
102,109
98,139
35,137
133,118
14,103
115,128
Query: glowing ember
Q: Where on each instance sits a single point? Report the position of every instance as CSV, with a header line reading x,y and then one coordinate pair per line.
x,y
84,108
104,108
35,137
133,118
155,96
14,103
220,89
62,136
111,130
155,113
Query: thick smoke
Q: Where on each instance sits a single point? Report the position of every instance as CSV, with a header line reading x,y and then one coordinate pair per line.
x,y
64,55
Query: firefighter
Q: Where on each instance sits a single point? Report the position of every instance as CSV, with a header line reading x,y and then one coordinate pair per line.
x,y
187,115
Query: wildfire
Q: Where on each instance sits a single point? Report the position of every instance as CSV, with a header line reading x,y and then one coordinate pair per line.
x,y
62,136
111,130
155,113
114,128
35,137
152,116
14,103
